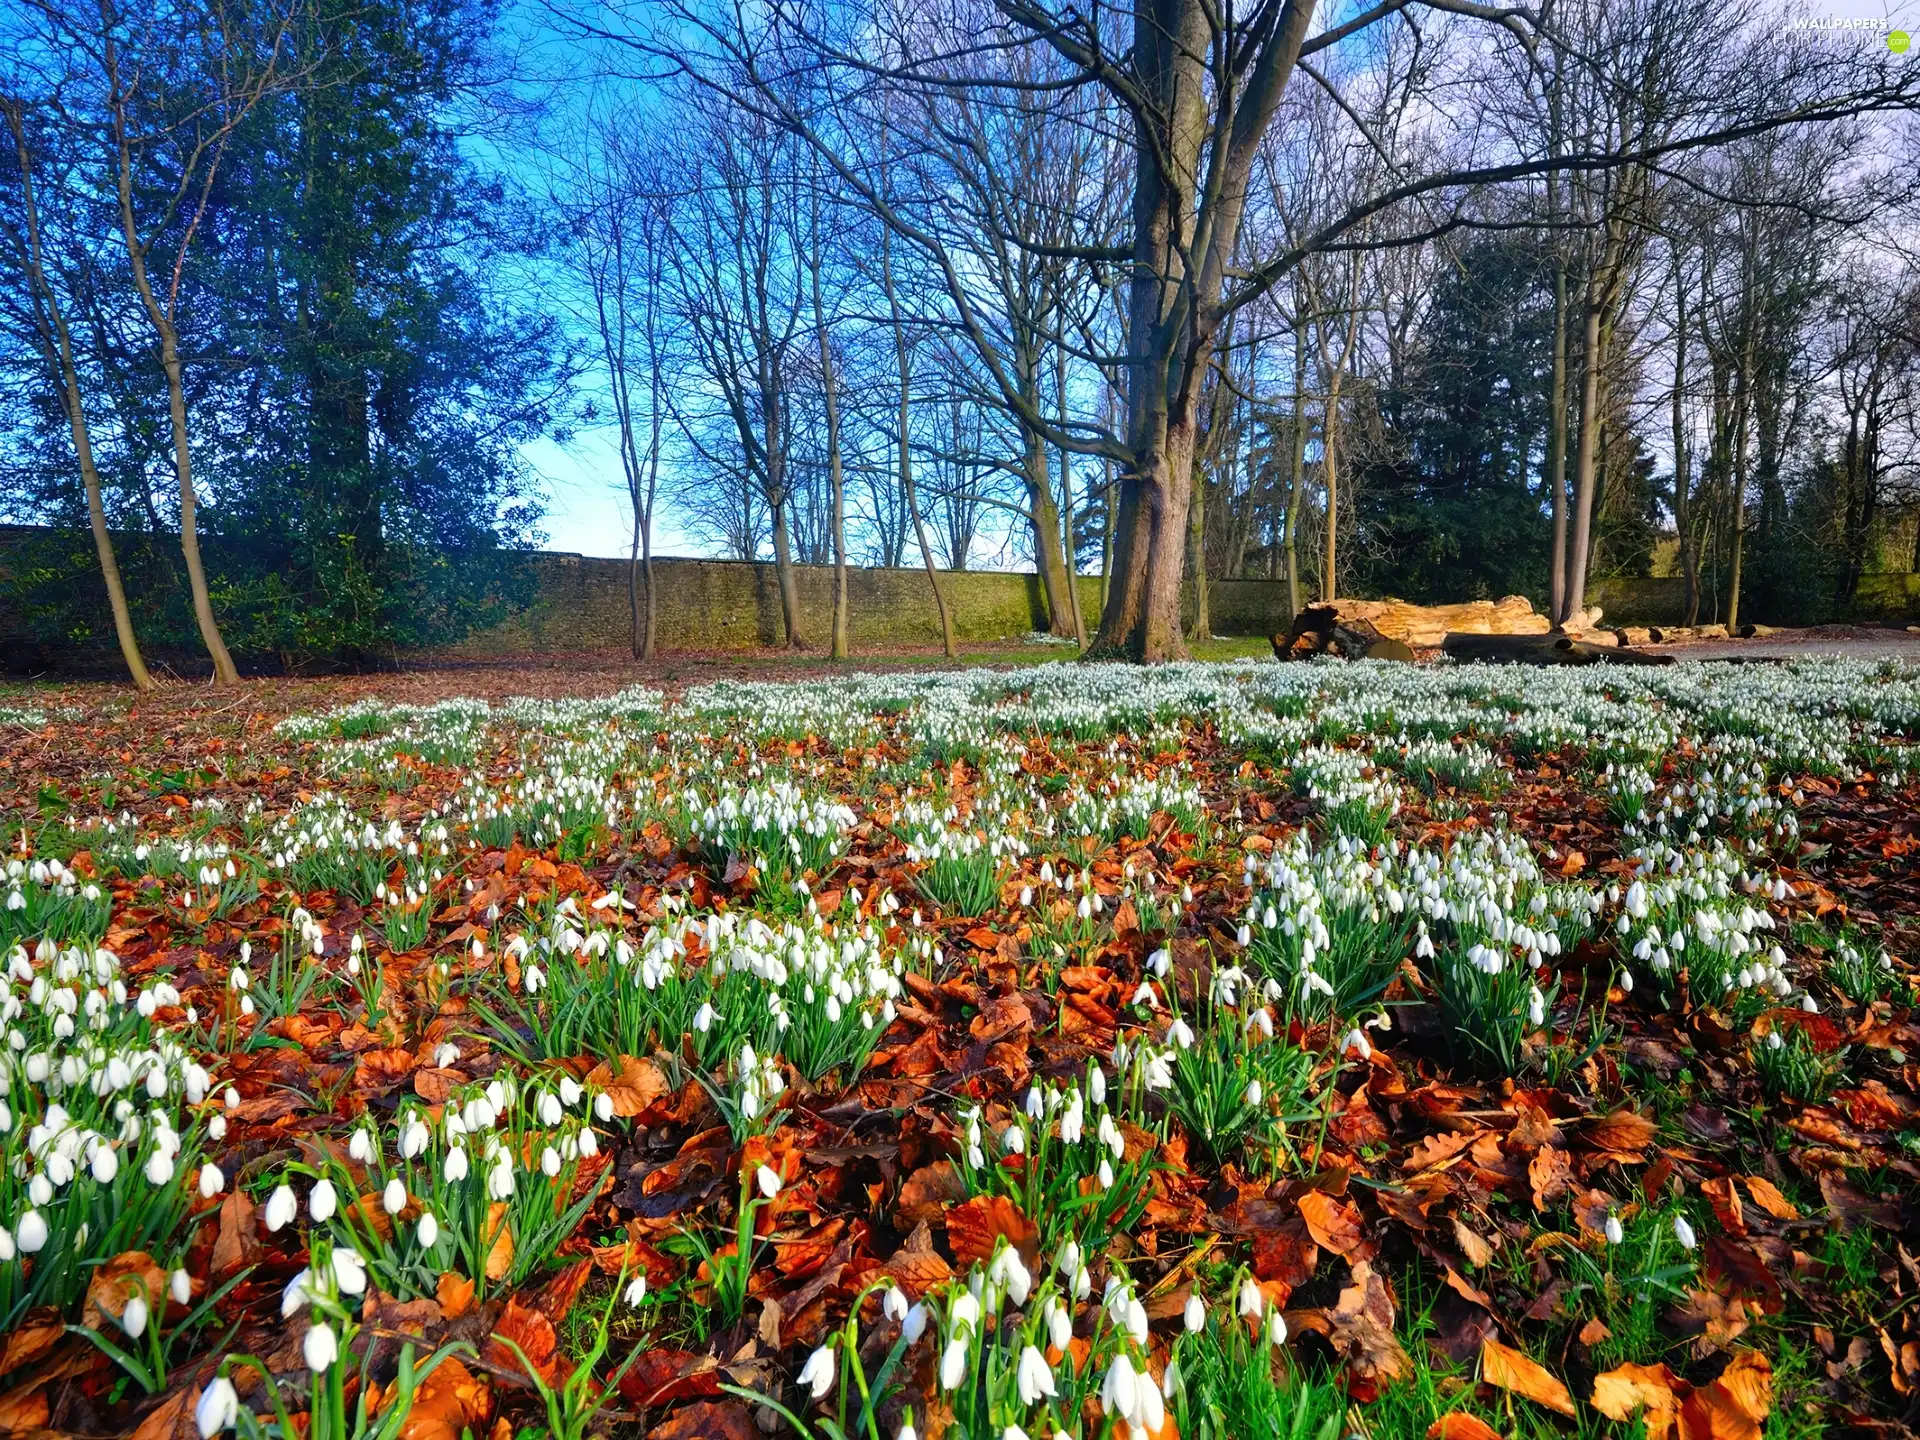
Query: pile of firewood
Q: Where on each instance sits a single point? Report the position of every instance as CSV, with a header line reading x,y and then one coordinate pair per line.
x,y
1425,626
1508,630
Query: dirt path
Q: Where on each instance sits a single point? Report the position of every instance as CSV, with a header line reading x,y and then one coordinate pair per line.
x,y
1853,641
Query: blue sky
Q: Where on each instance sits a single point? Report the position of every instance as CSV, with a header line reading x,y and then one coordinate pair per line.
x,y
587,508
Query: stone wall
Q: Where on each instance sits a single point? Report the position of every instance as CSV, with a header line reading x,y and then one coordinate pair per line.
x,y
1661,600
580,603
735,605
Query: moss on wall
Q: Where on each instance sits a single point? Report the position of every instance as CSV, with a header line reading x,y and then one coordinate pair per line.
x,y
735,605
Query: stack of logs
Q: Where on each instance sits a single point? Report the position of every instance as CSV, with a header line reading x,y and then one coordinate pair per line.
x,y
1504,630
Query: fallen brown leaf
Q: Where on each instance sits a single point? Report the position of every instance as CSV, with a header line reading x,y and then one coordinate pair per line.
x,y
1735,1406
709,1420
1653,1391
450,1401
1334,1224
1508,1369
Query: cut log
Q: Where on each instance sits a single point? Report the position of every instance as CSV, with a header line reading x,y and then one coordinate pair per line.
x,y
1544,650
1426,625
1321,630
1633,634
1710,632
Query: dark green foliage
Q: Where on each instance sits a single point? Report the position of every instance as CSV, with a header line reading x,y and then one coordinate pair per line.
x,y
362,374
1458,512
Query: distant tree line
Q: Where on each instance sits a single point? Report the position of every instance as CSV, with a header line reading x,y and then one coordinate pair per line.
x,y
1438,299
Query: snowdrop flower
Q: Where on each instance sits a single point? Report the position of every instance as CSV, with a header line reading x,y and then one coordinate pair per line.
x,y
1356,1040
360,1146
636,1291
500,1180
1253,1093
31,1236
1008,1272
427,1231
768,1181
445,1054
296,1295
1034,1377
322,1202
1196,1314
816,1375
1251,1301
893,1304
1059,1322
1014,1140
456,1164
914,1325
1119,1392
1683,1232
394,1198
217,1409
349,1272
180,1287
1276,1327
906,1431
413,1138
212,1182
280,1209
320,1348
1615,1232
953,1365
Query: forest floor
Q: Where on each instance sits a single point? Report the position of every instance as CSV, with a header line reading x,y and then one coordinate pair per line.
x,y
1217,1050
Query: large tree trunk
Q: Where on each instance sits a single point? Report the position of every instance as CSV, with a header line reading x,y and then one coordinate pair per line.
x,y
1557,448
1066,509
1682,477
1142,617
1738,538
1297,466
1202,627
1585,470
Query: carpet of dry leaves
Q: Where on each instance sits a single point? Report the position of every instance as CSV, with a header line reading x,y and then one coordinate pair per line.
x,y
1440,1239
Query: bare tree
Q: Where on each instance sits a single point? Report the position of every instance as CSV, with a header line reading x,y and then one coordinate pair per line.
x,y
27,253
178,83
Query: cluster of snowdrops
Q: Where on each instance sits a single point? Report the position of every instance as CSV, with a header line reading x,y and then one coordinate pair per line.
x,y
1055,802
